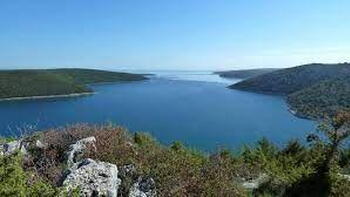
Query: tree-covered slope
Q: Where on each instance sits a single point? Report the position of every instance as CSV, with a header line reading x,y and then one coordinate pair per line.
x,y
322,99
313,90
24,83
244,74
88,76
290,80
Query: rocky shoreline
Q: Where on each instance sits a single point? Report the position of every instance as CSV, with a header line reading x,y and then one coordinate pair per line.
x,y
48,97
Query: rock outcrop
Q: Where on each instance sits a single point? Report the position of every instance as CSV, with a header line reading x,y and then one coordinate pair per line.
x,y
128,170
12,147
144,187
255,183
20,145
77,150
93,178
96,178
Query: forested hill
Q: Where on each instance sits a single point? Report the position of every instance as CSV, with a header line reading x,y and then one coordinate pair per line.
x,y
290,80
45,82
324,98
244,74
313,91
88,76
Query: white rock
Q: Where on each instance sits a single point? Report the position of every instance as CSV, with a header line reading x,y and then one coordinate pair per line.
x,y
255,183
144,187
93,178
77,150
127,170
345,176
12,147
39,144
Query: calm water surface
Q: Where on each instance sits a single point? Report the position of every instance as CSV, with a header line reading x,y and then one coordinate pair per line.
x,y
196,109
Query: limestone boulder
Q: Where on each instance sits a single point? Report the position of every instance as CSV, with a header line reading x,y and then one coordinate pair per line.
x,y
144,187
93,178
77,150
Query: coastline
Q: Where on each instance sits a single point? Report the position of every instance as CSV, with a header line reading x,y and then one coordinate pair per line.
x,y
65,95
295,113
46,97
290,109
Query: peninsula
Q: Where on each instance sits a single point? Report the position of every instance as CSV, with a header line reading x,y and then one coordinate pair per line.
x,y
244,74
43,83
312,91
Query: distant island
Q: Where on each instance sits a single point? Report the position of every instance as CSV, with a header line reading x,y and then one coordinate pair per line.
x,y
244,74
40,83
312,91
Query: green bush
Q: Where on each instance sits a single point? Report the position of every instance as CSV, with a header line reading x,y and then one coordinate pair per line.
x,y
14,181
315,169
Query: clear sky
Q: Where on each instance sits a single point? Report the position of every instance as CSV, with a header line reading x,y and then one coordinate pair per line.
x,y
172,34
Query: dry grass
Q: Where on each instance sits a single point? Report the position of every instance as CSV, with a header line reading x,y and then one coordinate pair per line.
x,y
177,171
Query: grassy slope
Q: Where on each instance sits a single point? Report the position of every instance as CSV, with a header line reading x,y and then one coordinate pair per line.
x,y
244,74
22,83
290,80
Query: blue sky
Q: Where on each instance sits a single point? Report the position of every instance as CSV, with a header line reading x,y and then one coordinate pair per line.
x,y
176,34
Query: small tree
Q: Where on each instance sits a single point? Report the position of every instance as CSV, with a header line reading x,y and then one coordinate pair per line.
x,y
336,131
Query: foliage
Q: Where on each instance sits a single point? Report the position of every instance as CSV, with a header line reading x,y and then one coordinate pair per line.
x,y
14,181
289,80
7,139
296,169
177,170
323,99
244,74
312,171
23,83
90,76
313,90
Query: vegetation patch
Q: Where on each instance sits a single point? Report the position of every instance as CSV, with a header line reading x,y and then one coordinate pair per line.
x,y
244,74
317,168
28,83
313,91
322,99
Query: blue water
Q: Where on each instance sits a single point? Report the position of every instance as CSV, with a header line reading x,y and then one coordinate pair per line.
x,y
201,113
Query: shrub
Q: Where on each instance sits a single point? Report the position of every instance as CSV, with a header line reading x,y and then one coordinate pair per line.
x,y
295,170
14,181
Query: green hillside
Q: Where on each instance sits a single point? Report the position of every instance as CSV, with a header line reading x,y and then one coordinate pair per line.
x,y
290,80
313,90
24,83
88,76
244,74
324,98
